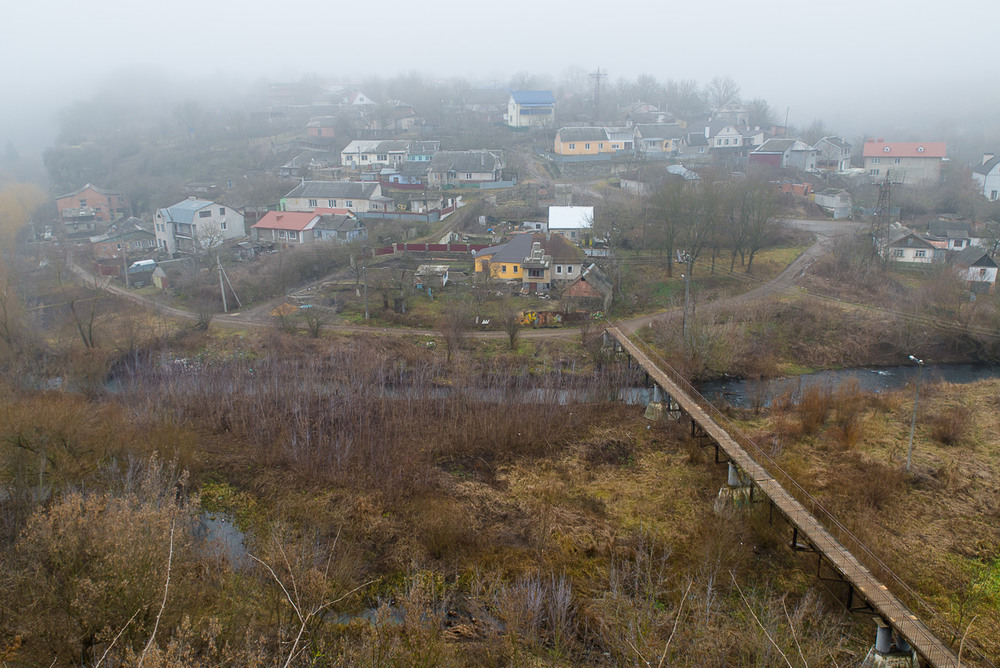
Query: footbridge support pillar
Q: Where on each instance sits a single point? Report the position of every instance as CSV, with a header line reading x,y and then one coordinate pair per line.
x,y
737,493
890,651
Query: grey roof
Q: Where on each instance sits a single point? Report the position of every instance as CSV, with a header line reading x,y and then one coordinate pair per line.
x,y
660,131
515,250
392,146
949,228
987,166
973,256
695,139
183,212
465,161
334,189
839,142
899,235
338,223
411,168
775,146
429,146
583,134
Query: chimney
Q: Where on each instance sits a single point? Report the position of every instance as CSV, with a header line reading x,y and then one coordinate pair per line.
x,y
987,157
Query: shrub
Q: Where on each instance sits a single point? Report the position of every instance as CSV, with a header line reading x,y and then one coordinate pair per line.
x,y
951,425
814,407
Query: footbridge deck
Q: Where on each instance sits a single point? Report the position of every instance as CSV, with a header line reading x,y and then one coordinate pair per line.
x,y
803,520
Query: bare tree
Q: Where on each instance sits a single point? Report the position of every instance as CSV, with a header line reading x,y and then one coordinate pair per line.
x,y
453,325
720,91
815,131
510,320
760,113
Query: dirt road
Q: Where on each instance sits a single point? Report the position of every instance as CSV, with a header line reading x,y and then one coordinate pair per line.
x,y
825,231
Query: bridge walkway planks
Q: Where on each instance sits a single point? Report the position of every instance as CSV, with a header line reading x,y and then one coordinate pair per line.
x,y
891,608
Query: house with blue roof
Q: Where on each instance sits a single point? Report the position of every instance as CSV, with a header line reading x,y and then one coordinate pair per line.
x,y
195,225
531,109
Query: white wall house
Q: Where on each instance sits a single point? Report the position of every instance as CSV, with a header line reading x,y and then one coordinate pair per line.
x,y
987,175
195,225
353,196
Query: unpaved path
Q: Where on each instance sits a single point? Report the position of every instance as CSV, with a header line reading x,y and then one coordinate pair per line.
x,y
825,231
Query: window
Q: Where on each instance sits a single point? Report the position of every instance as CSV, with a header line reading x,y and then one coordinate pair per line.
x,y
616,146
516,268
222,225
205,214
503,269
875,161
586,147
718,142
312,202
382,157
281,234
601,146
558,268
222,210
993,194
348,203
896,161
897,252
569,269
920,253
727,142
293,234
332,203
873,172
572,147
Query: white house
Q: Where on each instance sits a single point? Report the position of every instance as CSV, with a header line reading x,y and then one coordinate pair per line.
x,y
785,153
987,175
835,201
195,225
458,167
354,196
531,109
573,222
975,266
362,153
907,246
834,154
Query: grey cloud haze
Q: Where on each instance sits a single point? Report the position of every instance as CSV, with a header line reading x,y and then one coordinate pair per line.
x,y
860,65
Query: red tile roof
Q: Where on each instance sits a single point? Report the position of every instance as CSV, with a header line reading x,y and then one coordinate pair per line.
x,y
285,220
904,149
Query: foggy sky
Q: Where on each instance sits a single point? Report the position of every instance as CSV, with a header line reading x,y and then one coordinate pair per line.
x,y
861,65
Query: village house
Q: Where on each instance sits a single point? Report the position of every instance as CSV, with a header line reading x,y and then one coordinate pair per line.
x,y
83,209
955,232
693,146
195,225
286,227
907,246
592,140
591,290
129,236
987,176
342,227
728,138
362,153
576,223
503,261
907,163
531,109
785,153
658,139
834,154
354,196
453,168
975,266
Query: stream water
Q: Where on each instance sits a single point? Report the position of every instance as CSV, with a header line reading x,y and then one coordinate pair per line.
x,y
741,393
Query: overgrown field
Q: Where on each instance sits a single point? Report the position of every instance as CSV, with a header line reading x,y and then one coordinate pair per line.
x,y
937,526
397,510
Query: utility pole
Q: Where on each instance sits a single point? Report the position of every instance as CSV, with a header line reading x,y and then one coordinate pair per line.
x,y
121,236
687,298
365,269
597,76
913,423
881,221
222,286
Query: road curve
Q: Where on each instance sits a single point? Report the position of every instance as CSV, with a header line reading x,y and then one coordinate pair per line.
x,y
826,231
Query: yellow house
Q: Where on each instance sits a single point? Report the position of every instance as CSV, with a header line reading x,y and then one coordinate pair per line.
x,y
593,141
503,262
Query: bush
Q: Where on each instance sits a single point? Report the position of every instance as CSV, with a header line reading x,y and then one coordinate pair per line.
x,y
951,426
814,407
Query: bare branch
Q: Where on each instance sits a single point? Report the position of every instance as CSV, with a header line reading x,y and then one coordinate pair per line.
x,y
757,619
166,589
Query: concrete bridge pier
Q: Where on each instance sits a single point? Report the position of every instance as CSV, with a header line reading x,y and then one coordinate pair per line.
x,y
654,410
890,650
737,493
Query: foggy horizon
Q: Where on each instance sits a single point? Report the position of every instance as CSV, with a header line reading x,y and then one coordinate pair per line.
x,y
884,69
